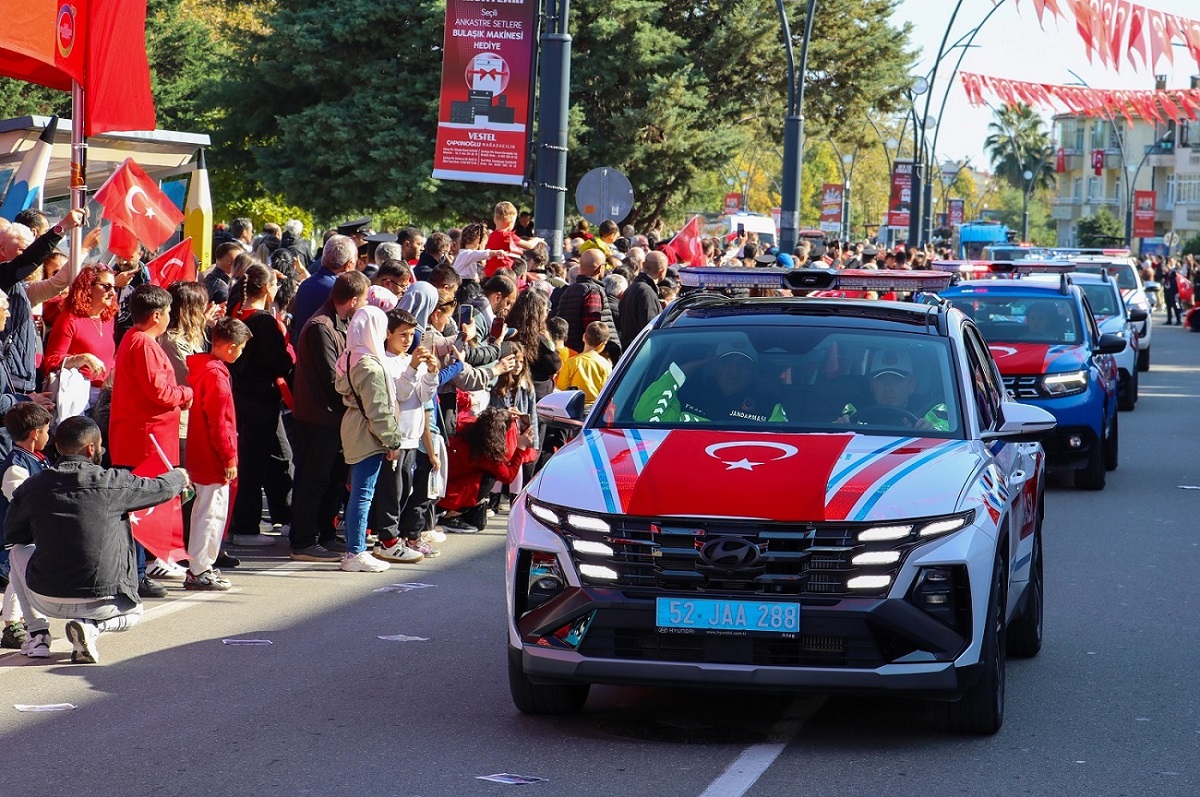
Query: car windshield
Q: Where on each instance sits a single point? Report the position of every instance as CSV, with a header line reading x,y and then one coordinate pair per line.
x,y
791,379
1126,279
1022,319
1102,298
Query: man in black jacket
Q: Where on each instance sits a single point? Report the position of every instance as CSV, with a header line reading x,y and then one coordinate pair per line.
x,y
583,301
72,553
640,303
320,468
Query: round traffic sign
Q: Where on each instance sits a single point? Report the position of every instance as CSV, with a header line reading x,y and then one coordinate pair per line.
x,y
1171,239
604,193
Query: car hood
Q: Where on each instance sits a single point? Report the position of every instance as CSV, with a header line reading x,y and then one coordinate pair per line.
x,y
1020,359
792,478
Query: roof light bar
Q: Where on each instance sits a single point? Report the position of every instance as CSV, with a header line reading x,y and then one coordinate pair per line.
x,y
813,279
1028,266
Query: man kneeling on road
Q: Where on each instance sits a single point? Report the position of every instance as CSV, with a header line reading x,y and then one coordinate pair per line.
x,y
72,555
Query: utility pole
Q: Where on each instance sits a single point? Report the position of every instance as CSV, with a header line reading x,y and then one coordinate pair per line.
x,y
793,130
550,188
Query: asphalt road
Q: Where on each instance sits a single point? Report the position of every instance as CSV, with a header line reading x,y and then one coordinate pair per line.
x,y
1109,708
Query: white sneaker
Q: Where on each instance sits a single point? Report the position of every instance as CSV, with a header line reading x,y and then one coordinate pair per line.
x,y
433,535
160,568
398,552
37,645
83,634
251,540
362,563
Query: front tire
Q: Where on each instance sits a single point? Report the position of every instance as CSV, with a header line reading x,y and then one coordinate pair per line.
x,y
981,709
1092,477
543,699
1111,447
1128,397
1143,359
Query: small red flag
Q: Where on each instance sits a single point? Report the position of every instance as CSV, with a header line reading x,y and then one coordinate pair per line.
x,y
130,198
686,244
122,242
160,528
174,265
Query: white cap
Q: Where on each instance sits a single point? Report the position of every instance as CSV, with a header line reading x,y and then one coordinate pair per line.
x,y
890,361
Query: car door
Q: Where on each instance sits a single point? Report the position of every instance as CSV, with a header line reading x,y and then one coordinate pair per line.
x,y
1019,464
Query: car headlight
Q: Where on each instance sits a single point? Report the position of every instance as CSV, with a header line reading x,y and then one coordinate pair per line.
x,y
1066,384
563,520
923,530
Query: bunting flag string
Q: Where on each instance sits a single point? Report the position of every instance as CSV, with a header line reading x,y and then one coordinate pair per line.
x,y
1151,106
1114,30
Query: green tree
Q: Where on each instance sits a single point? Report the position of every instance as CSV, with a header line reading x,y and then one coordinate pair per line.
x,y
1009,210
667,92
1101,228
1018,142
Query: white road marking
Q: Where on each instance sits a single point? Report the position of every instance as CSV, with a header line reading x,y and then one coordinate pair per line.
x,y
747,768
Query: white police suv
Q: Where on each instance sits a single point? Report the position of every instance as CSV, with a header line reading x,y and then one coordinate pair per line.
x,y
786,494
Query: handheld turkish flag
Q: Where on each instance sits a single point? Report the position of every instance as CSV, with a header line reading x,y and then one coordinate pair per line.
x,y
160,528
122,242
133,200
686,244
174,265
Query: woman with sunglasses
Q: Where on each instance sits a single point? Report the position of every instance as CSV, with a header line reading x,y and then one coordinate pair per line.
x,y
82,336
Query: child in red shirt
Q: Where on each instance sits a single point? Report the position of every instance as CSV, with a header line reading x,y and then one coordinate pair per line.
x,y
505,239
212,451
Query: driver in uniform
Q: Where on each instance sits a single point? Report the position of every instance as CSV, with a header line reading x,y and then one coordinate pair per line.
x,y
892,386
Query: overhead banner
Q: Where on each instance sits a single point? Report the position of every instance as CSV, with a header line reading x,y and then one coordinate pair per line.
x,y
487,80
1143,214
900,202
954,213
831,208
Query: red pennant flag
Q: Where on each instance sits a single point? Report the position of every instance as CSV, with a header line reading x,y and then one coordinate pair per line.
x,y
1118,11
160,528
1040,7
1164,101
177,264
1190,30
1083,23
117,88
1188,101
1160,37
1137,33
686,244
1099,25
130,198
1052,7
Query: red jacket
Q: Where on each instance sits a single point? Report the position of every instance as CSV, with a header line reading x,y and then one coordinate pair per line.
x,y
145,401
212,427
466,471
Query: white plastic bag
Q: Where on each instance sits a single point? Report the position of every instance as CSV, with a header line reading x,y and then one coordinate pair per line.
x,y
70,390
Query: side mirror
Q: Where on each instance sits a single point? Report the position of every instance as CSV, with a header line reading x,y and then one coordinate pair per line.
x,y
1137,315
1151,287
1022,423
1110,344
563,409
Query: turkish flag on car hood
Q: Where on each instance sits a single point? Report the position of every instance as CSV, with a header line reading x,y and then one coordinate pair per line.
x,y
133,200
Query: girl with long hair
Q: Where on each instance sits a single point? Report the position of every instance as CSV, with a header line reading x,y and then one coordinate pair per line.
x,y
259,378
485,451
528,316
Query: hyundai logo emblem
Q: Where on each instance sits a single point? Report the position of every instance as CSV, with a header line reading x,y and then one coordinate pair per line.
x,y
730,553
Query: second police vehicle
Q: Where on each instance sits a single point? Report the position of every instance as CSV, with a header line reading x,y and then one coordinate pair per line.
x,y
786,494
1052,354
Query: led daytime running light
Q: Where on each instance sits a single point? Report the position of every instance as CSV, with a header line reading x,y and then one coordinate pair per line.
x,y
884,533
588,523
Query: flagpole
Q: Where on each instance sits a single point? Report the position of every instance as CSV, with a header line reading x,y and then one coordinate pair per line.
x,y
78,175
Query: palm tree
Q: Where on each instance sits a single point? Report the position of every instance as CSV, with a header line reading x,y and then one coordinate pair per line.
x,y
1018,143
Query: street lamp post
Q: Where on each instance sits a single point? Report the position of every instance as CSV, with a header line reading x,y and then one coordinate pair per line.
x,y
1129,184
919,87
793,129
1028,175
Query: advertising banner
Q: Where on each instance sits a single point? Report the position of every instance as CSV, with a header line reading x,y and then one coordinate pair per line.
x,y
831,208
1144,203
733,203
487,80
955,215
900,202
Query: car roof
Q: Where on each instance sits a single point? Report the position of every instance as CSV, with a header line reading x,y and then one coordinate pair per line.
x,y
1019,287
707,309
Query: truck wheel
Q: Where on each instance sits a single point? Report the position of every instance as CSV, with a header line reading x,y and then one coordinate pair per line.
x,y
981,709
1143,359
1093,475
1025,631
540,699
